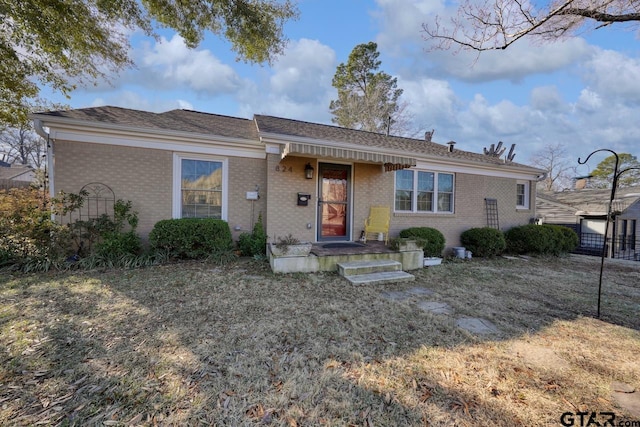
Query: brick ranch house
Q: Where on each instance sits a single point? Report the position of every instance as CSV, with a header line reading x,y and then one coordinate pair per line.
x,y
190,164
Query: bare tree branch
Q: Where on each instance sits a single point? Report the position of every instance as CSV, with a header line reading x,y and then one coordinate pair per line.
x,y
497,24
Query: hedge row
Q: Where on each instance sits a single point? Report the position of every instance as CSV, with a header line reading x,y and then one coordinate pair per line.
x,y
546,239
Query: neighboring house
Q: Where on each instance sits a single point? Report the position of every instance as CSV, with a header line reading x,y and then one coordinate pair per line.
x,y
12,175
190,164
585,210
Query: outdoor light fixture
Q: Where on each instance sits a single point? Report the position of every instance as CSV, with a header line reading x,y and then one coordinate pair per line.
x,y
308,171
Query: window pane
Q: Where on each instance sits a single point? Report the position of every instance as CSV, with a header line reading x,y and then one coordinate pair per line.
x,y
445,202
520,194
425,201
445,183
404,190
403,200
425,181
201,189
404,180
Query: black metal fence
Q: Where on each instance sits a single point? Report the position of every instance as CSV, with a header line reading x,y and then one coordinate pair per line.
x,y
621,246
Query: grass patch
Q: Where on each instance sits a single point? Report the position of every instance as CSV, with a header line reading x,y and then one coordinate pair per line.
x,y
193,343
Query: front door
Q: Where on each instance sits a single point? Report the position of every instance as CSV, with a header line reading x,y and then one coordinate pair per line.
x,y
334,202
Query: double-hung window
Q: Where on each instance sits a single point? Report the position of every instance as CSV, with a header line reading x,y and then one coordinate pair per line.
x,y
522,195
423,191
200,186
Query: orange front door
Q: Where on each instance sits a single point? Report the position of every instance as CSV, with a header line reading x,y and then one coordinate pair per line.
x,y
334,202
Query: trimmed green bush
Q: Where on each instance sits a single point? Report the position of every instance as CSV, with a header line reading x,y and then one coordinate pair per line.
x,y
191,238
483,242
543,239
433,239
569,238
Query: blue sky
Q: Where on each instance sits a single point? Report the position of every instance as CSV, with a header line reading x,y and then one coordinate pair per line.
x,y
583,92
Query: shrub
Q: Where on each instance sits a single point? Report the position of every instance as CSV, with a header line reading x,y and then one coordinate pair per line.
x,y
27,233
433,239
543,239
483,242
117,244
255,243
191,238
569,239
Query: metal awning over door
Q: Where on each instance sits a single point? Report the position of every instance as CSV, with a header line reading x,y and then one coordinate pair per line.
x,y
390,162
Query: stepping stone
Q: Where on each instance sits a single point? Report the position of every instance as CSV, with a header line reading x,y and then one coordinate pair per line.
x,y
435,307
419,292
626,397
476,325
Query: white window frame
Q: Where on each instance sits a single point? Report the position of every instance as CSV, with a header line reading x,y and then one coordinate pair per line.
x,y
527,194
414,197
177,182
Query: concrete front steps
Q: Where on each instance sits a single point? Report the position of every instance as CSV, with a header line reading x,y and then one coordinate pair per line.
x,y
373,272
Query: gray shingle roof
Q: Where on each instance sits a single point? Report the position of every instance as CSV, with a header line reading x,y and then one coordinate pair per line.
x,y
412,147
593,199
176,120
14,171
234,127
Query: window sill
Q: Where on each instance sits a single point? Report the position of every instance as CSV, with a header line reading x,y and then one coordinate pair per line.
x,y
522,208
423,214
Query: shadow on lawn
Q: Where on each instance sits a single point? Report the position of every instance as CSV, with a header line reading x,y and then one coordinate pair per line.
x,y
195,344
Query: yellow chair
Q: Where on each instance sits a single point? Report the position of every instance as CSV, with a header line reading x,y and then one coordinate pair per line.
x,y
378,222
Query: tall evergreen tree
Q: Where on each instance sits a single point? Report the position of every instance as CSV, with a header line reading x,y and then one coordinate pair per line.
x,y
603,173
367,98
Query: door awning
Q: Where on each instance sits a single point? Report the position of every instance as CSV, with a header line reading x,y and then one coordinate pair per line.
x,y
390,162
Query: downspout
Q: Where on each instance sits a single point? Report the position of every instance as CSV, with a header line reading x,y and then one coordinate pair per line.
x,y
37,124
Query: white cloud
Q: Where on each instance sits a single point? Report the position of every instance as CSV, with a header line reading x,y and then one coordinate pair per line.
x,y
546,98
305,70
614,75
589,101
432,102
299,87
170,63
515,63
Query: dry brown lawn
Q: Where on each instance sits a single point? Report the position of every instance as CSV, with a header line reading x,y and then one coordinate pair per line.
x,y
196,344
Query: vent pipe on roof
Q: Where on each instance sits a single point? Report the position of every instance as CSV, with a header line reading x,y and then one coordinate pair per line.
x,y
451,144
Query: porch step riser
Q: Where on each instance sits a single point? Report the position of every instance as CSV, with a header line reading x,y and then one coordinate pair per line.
x,y
355,268
380,278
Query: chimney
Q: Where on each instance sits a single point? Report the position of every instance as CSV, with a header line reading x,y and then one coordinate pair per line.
x,y
428,135
451,144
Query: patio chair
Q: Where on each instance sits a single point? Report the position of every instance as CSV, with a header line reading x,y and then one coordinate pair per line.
x,y
378,222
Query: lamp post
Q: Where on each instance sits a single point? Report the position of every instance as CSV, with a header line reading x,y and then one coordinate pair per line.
x,y
614,185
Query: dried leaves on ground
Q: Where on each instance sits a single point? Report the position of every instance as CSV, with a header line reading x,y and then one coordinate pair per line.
x,y
195,344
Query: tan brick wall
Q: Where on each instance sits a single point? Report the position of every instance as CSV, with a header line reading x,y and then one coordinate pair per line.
x,y
244,175
372,187
285,179
469,208
141,175
145,176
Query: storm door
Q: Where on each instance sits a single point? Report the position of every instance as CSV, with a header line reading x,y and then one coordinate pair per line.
x,y
334,202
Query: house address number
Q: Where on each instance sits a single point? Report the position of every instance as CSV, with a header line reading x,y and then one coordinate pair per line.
x,y
284,168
